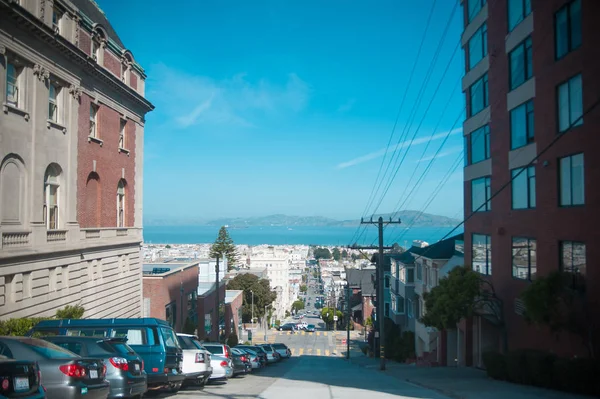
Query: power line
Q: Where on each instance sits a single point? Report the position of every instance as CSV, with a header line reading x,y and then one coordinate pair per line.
x,y
414,67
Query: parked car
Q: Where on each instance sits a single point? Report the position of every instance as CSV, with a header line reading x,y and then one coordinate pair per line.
x,y
222,368
124,367
20,379
196,359
253,358
153,339
262,354
288,327
241,364
218,349
310,328
272,355
66,375
283,350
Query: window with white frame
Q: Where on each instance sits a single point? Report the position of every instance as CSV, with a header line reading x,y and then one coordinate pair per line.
x,y
121,204
570,103
122,126
571,180
13,80
51,197
54,96
93,120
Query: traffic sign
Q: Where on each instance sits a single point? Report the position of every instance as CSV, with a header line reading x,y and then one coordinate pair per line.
x,y
335,318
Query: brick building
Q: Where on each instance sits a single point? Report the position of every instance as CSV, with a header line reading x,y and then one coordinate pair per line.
x,y
71,162
211,323
234,300
171,293
530,78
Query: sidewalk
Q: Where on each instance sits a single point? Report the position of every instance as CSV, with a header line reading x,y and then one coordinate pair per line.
x,y
460,382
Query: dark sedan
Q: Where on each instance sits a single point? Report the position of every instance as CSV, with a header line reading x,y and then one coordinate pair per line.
x,y
125,370
66,375
20,379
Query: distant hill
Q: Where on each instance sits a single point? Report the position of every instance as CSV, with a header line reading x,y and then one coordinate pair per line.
x,y
407,217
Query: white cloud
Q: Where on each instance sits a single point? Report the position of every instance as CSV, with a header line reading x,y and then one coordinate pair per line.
x,y
399,146
347,106
442,154
190,100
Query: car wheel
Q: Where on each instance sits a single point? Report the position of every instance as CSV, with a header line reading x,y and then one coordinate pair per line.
x,y
176,387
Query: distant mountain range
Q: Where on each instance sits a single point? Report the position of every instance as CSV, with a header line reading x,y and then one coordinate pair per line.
x,y
407,217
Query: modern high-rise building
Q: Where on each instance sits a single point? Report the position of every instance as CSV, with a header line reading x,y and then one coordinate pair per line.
x,y
71,157
531,86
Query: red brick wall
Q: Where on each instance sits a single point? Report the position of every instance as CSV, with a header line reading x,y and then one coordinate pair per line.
x,y
232,313
109,163
367,307
548,223
133,80
85,41
206,304
112,63
167,289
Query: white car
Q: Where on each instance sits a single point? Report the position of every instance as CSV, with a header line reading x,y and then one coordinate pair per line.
x,y
222,368
196,360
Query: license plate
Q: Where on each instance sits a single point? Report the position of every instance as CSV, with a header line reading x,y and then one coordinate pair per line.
x,y
93,374
21,384
136,367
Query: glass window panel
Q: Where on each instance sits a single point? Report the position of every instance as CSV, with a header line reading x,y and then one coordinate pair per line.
x,y
530,122
479,150
531,188
488,194
475,49
518,127
563,107
577,180
575,19
515,13
519,189
517,66
579,258
477,194
561,33
565,181
576,101
528,59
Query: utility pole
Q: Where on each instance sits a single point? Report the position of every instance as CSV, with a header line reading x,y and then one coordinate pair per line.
x,y
379,278
217,307
252,308
348,320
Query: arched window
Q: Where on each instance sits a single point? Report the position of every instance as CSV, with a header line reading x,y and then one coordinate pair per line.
x,y
51,196
121,204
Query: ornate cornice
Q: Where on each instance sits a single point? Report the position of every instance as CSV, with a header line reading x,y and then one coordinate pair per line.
x,y
41,72
2,49
42,8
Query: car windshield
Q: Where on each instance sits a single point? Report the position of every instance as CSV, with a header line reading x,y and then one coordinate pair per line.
x,y
47,349
279,346
197,344
169,337
311,326
216,350
268,348
118,347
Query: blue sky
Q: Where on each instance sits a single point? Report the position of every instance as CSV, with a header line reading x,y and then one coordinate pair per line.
x,y
287,106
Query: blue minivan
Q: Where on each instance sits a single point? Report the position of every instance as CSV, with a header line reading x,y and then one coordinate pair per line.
x,y
153,339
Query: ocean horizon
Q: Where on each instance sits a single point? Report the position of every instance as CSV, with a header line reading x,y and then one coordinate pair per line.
x,y
294,235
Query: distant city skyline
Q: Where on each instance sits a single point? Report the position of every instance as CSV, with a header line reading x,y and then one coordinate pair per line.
x,y
287,107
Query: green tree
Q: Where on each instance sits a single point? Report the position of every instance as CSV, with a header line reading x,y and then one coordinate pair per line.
x,y
322,253
167,246
303,288
454,298
328,313
233,340
263,295
558,302
189,327
336,254
344,254
298,305
224,246
70,312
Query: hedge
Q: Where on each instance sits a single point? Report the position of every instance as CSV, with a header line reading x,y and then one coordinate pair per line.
x,y
545,370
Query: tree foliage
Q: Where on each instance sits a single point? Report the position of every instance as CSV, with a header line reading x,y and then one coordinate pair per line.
x,y
452,299
189,327
263,295
328,313
298,305
344,254
70,312
558,302
336,254
322,253
224,246
303,288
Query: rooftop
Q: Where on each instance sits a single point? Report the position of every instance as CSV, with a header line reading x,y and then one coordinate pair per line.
x,y
161,269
